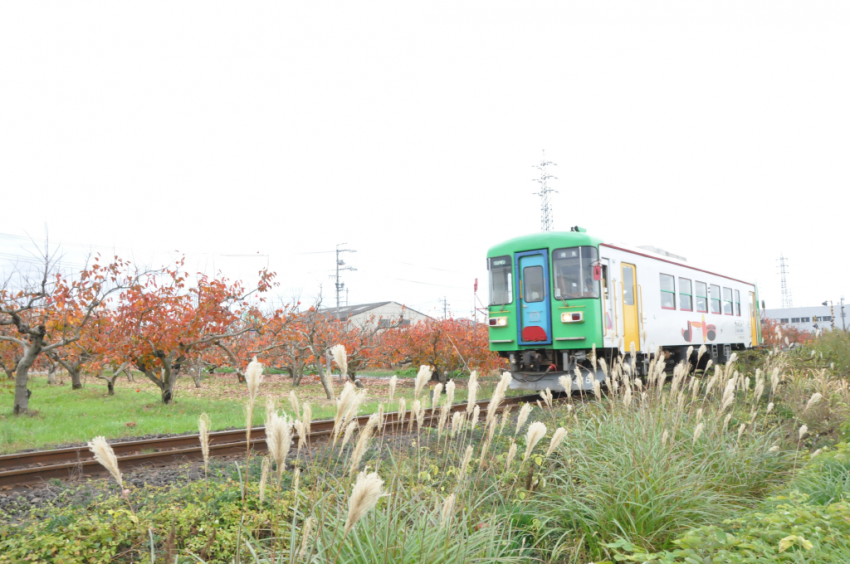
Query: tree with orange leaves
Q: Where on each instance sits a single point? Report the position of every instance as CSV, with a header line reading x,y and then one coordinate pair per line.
x,y
447,345
50,311
775,333
162,321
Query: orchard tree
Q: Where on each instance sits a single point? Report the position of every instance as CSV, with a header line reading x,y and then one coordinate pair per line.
x,y
10,353
51,311
447,345
365,343
163,321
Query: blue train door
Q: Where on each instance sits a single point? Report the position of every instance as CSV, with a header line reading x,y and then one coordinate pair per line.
x,y
535,318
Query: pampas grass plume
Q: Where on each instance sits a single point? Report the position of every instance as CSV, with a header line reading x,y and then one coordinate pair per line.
x,y
414,413
393,383
506,414
510,457
438,391
457,422
536,431
698,432
204,426
447,511
422,378
264,477
363,442
566,383
664,436
104,454
524,412
305,536
450,393
299,430
803,430
557,437
467,456
253,377
270,406
293,401
402,410
349,430
341,358
367,491
473,389
279,439
307,417
816,397
476,411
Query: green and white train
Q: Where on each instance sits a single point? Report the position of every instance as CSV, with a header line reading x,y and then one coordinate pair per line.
x,y
554,295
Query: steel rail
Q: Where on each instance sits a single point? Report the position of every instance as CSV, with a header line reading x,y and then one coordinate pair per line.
x,y
33,467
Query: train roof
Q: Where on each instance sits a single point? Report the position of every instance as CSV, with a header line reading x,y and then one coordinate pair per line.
x,y
556,239
544,239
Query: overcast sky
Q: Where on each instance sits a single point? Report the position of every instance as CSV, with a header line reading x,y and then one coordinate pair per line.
x,y
718,131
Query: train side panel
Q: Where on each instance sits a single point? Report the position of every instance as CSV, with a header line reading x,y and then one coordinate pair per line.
x,y
675,304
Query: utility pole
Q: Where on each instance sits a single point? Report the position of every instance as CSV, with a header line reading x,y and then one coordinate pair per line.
x,y
546,220
786,293
843,326
340,267
445,308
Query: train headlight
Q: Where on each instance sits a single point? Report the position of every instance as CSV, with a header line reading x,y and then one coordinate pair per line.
x,y
498,322
576,317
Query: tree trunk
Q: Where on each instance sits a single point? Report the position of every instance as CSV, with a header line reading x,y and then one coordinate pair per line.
x,y
22,394
324,378
110,386
51,374
76,383
196,368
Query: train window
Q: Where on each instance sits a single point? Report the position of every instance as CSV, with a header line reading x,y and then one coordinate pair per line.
x,y
686,300
826,318
702,297
533,289
804,319
628,286
715,298
668,292
501,283
783,320
573,269
795,320
727,301
738,302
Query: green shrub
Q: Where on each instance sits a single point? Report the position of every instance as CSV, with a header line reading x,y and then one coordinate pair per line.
x,y
792,530
615,479
826,479
205,518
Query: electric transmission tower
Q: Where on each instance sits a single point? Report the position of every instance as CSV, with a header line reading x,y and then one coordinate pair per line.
x,y
546,220
783,271
340,267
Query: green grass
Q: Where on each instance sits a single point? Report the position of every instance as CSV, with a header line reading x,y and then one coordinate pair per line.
x,y
62,415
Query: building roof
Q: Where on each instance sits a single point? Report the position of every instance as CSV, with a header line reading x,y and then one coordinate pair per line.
x,y
345,312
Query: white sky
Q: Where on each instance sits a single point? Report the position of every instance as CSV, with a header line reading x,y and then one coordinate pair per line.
x,y
717,131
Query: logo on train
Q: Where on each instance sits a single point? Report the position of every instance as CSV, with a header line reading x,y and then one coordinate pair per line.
x,y
709,331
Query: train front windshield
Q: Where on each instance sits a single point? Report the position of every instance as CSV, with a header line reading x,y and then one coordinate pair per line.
x,y
501,284
573,269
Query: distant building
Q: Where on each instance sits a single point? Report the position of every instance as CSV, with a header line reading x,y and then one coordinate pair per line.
x,y
385,314
806,318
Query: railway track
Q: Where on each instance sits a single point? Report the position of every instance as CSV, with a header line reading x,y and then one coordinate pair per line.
x,y
25,468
